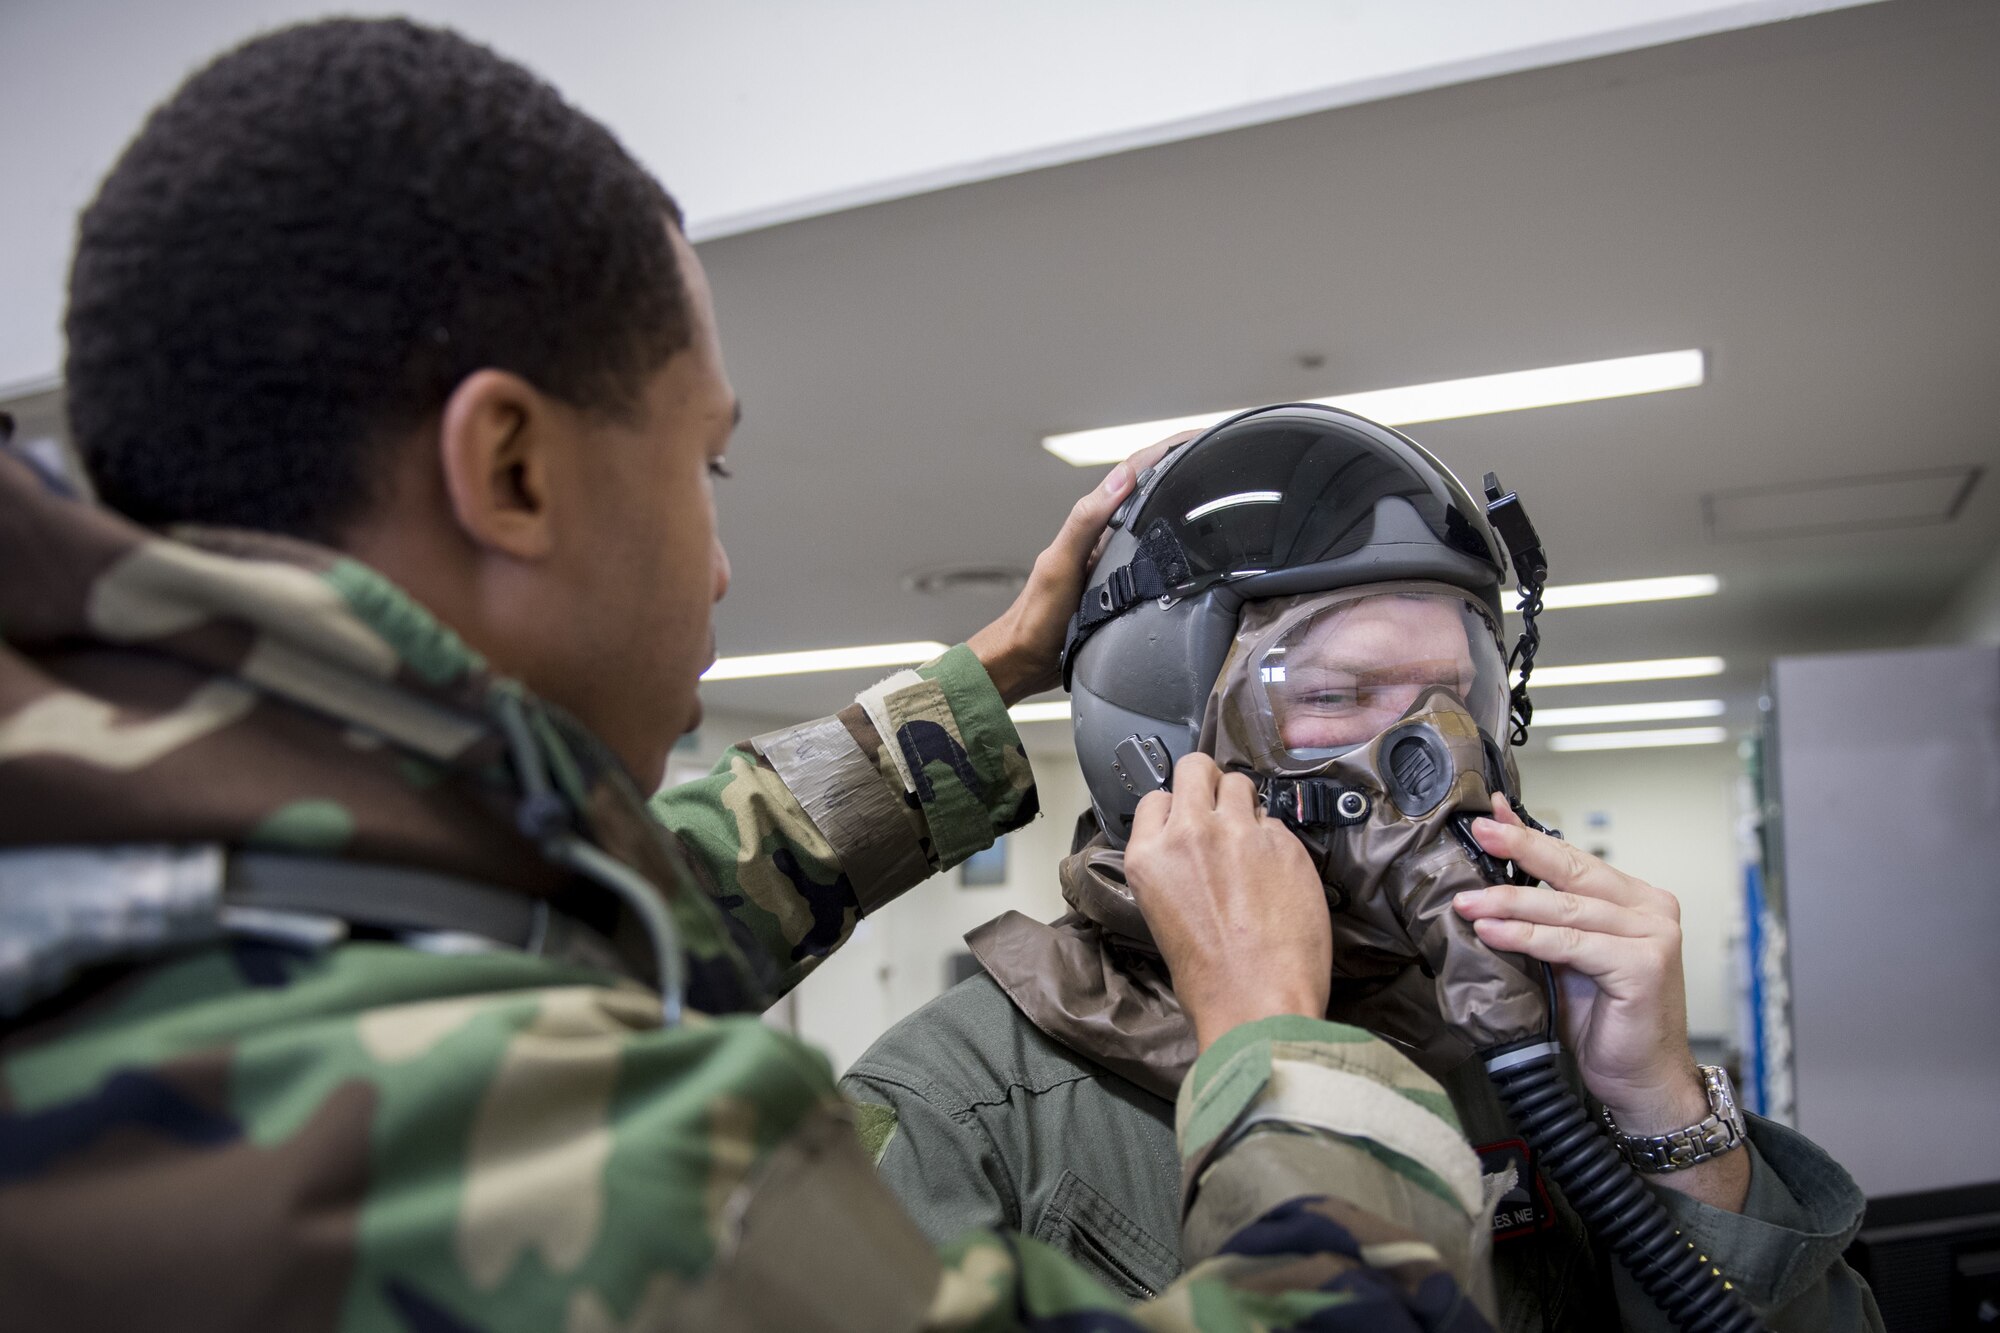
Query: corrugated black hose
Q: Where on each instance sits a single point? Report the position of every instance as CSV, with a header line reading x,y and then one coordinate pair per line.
x,y
1606,1192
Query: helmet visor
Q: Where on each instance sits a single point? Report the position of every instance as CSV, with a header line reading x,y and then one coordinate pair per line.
x,y
1285,487
1313,677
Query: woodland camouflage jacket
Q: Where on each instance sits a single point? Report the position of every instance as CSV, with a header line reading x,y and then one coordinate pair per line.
x,y
255,1073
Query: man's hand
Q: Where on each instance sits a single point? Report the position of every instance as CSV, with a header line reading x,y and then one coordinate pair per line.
x,y
1232,900
1022,650
1615,942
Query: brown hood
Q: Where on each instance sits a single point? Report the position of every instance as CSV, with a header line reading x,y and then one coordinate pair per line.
x,y
1093,981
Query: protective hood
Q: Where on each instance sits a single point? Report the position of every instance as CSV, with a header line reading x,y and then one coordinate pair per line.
x,y
1312,677
254,693
1093,981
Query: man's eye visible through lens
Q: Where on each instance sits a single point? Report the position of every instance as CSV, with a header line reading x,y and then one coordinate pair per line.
x,y
1329,699
719,469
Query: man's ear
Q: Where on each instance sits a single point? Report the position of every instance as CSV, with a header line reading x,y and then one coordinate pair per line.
x,y
495,443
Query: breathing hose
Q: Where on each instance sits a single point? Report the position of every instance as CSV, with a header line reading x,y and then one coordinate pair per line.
x,y
1606,1192
1603,1188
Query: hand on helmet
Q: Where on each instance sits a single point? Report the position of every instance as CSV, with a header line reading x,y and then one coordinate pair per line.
x,y
1232,900
1022,650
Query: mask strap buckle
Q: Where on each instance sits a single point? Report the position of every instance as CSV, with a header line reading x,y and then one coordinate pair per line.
x,y
1315,802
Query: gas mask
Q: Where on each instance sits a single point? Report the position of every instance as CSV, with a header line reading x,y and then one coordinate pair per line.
x,y
1315,601
1370,719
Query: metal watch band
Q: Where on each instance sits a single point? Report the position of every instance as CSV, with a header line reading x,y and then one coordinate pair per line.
x,y
1676,1150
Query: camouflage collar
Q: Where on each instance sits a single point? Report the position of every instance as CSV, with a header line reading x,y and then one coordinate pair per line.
x,y
247,690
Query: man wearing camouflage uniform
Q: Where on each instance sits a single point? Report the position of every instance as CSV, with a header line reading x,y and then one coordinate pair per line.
x,y
342,976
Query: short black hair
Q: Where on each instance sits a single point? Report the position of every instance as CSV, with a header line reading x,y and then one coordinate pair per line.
x,y
316,238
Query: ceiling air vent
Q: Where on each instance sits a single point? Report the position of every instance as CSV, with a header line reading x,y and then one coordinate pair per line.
x,y
1842,504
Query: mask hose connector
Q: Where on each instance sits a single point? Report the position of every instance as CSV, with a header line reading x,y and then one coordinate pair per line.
x,y
1608,1194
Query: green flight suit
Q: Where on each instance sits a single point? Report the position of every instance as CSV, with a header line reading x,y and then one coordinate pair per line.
x,y
987,1121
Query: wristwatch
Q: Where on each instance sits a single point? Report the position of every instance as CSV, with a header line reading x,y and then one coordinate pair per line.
x,y
1676,1150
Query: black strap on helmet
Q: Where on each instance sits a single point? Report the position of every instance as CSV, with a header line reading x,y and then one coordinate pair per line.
x,y
1531,568
1157,569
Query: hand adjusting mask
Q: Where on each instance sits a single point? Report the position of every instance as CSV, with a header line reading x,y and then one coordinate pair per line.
x,y
1368,718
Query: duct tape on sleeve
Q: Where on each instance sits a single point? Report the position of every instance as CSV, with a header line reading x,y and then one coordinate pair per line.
x,y
842,792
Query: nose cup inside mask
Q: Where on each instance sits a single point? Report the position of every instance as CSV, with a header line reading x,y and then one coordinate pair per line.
x,y
1399,872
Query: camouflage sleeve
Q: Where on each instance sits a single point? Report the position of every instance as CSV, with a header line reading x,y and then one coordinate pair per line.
x,y
374,1138
1289,1107
807,830
1326,1186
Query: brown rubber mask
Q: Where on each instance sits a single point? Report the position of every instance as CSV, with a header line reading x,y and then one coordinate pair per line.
x,y
1368,719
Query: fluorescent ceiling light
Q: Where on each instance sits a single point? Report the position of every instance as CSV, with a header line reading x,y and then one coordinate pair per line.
x,y
1614,673
823,659
1629,590
1513,391
1673,711
1055,710
1640,740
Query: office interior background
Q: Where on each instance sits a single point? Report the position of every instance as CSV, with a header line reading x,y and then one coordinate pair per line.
x,y
942,237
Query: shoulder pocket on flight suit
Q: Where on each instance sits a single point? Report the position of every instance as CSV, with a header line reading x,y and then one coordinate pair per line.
x,y
1095,1232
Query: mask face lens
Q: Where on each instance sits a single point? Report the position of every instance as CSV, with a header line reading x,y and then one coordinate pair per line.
x,y
1346,674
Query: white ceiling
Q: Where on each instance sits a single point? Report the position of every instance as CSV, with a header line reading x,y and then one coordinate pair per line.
x,y
781,109
1813,203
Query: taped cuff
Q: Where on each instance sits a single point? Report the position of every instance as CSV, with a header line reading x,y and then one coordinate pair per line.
x,y
842,792
874,701
947,732
1336,1083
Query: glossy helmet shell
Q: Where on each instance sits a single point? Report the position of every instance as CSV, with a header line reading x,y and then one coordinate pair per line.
x,y
1272,502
